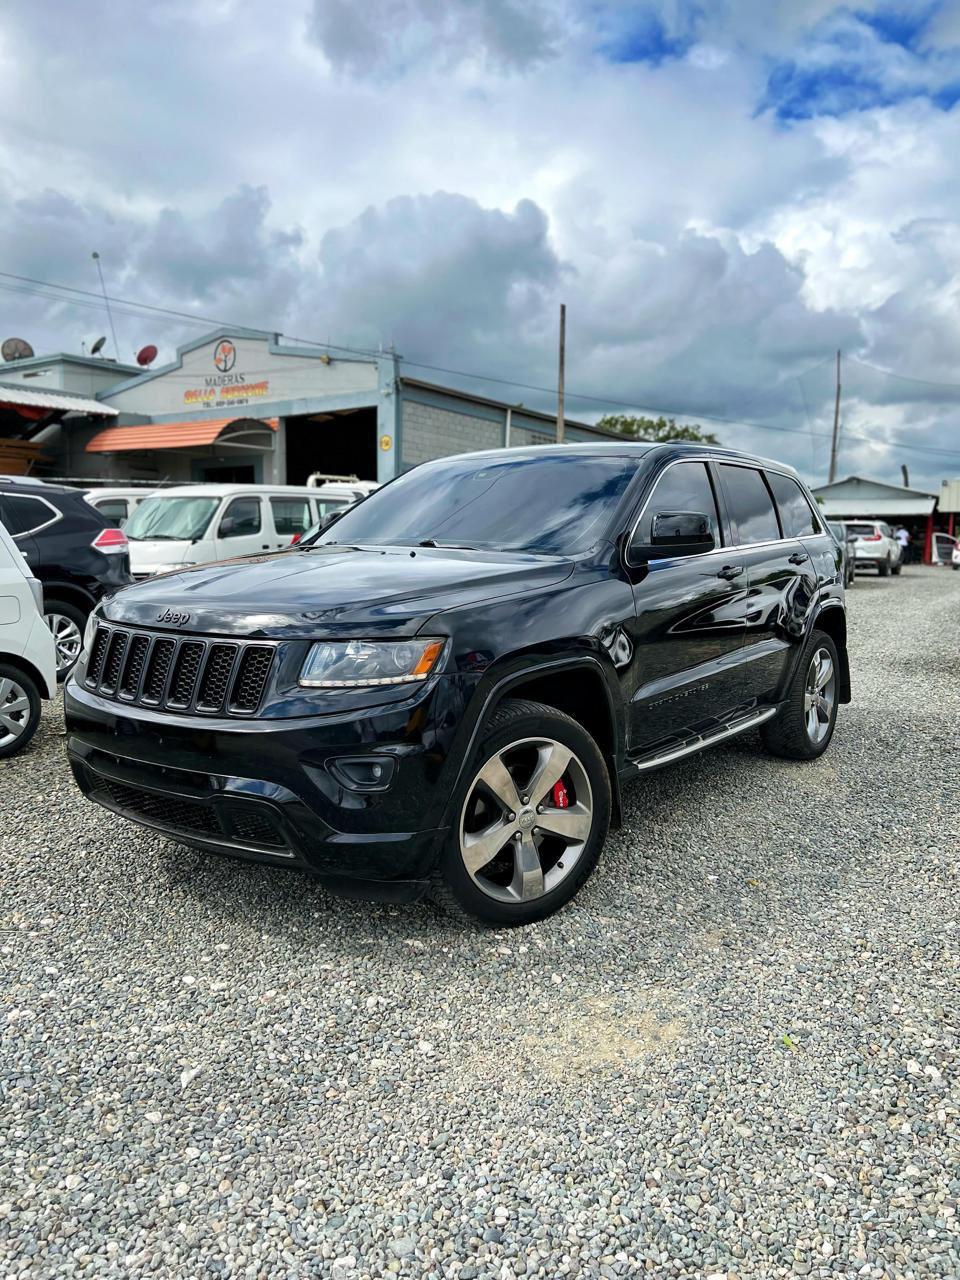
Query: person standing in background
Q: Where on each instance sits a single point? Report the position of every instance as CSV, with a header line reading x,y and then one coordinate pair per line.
x,y
903,538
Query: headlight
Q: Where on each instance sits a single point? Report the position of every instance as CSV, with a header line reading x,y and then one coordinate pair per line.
x,y
349,664
93,618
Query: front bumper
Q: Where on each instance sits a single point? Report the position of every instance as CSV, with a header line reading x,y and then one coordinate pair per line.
x,y
270,790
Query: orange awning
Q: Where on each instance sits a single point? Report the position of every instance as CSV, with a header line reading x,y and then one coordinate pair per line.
x,y
170,435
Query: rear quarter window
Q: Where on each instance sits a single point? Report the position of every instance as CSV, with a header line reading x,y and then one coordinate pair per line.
x,y
796,515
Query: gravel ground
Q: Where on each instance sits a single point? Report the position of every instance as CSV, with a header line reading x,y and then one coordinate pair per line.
x,y
736,1055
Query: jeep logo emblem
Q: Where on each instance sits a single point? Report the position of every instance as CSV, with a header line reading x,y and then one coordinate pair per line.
x,y
173,617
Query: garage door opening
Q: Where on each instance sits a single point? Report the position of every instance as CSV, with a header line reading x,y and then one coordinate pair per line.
x,y
337,444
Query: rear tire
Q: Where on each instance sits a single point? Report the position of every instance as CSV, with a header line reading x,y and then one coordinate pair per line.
x,y
895,568
883,567
529,818
19,709
67,623
804,726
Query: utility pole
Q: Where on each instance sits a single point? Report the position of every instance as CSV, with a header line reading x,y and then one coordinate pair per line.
x,y
106,303
836,429
563,354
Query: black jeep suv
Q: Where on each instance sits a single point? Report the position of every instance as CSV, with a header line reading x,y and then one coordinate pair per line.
x,y
446,690
72,549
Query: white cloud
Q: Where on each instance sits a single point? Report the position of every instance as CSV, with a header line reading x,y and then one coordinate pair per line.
x,y
442,173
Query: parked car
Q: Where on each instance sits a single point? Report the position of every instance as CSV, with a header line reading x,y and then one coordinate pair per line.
x,y
28,664
75,552
943,548
199,523
955,555
844,541
116,504
348,487
874,546
446,692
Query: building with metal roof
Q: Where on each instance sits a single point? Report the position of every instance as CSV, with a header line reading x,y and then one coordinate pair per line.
x,y
244,406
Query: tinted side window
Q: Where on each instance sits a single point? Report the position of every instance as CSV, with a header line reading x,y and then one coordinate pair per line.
x,y
291,515
751,507
683,487
241,518
797,518
23,514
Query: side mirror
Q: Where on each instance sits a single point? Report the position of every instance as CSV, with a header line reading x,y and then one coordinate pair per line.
x,y
675,533
227,526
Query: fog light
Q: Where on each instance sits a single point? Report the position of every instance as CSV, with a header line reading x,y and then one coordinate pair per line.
x,y
363,773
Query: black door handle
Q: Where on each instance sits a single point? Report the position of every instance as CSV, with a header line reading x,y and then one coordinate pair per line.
x,y
799,557
730,571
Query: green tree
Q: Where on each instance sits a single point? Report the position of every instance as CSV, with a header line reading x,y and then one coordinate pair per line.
x,y
656,430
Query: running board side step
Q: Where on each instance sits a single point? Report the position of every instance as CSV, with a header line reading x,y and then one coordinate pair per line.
x,y
700,741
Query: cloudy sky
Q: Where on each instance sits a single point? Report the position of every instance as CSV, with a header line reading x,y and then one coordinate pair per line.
x,y
722,193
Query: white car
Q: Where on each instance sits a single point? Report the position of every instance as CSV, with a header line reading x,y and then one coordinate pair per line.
x,y
195,524
955,555
28,654
874,546
116,505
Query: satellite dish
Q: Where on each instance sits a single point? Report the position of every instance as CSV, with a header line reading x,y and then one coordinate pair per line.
x,y
146,355
98,346
16,349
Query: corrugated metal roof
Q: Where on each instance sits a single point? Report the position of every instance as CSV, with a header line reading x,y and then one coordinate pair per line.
x,y
14,394
167,435
875,508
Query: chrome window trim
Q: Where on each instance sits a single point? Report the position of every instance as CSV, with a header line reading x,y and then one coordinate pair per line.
x,y
727,548
34,497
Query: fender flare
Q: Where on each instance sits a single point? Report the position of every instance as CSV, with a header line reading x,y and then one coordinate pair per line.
x,y
501,688
834,606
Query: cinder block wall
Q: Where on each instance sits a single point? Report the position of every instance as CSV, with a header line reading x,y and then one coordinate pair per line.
x,y
431,432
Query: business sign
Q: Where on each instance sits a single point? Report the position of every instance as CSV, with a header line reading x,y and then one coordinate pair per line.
x,y
225,386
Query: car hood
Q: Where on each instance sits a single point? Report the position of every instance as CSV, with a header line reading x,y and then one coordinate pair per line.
x,y
330,590
149,555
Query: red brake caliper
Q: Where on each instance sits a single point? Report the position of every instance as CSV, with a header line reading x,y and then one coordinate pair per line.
x,y
560,798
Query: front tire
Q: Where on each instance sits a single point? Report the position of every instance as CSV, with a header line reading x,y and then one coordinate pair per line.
x,y
530,818
19,709
804,726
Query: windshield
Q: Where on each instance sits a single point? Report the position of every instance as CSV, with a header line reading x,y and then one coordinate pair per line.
x,y
861,530
171,519
555,504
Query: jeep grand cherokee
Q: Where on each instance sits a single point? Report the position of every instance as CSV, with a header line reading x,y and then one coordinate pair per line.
x,y
447,689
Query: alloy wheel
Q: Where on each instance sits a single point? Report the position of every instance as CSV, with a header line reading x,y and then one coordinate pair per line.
x,y
819,695
14,711
66,635
526,820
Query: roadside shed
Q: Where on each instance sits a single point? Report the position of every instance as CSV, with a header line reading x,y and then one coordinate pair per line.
x,y
860,498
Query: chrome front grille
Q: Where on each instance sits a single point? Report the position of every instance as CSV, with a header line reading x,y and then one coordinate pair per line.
x,y
203,677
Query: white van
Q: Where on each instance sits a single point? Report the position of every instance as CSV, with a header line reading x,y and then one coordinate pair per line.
x,y
116,505
197,523
28,654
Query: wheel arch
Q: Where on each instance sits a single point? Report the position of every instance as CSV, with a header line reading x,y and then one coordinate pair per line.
x,y
67,593
26,668
832,618
578,687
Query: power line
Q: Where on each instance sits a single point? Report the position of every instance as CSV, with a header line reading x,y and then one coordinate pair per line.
x,y
85,297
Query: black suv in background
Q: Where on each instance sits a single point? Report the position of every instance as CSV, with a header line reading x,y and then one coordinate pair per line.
x,y
447,688
73,550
